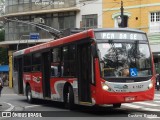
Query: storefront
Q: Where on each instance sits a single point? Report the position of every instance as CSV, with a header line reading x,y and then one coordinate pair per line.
x,y
4,69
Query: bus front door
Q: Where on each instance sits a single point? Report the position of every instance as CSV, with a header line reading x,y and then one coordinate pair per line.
x,y
46,74
84,72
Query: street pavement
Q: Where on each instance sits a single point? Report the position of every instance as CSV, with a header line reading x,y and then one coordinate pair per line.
x,y
9,92
145,105
5,91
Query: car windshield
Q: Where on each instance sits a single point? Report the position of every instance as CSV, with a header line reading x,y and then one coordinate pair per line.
x,y
124,59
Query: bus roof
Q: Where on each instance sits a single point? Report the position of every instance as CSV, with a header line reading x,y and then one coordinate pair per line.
x,y
57,42
70,38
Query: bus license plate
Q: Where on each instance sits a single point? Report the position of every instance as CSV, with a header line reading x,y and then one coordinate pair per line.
x,y
129,99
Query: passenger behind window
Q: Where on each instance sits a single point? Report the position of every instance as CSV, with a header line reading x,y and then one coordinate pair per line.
x,y
54,71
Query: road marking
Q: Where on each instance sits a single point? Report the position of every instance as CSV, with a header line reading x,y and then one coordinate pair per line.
x,y
139,105
11,107
157,95
32,106
145,103
153,117
151,109
131,105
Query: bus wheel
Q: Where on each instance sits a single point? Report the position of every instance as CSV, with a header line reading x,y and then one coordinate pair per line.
x,y
29,94
117,105
69,99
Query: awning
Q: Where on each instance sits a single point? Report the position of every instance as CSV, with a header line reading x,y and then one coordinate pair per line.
x,y
4,68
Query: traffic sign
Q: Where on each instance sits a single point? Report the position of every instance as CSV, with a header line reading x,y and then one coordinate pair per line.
x,y
34,36
133,72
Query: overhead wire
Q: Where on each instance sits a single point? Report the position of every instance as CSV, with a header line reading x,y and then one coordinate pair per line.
x,y
56,33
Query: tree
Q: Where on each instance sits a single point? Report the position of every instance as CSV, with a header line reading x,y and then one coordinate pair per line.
x,y
3,51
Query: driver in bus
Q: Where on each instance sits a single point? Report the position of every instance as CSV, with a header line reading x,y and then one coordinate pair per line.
x,y
125,72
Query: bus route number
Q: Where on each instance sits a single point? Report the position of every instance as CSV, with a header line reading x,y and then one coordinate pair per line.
x,y
129,36
133,36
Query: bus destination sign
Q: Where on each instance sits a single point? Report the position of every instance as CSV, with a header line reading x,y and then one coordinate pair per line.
x,y
120,36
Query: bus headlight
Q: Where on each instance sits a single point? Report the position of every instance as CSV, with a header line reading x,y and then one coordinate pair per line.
x,y
105,87
150,85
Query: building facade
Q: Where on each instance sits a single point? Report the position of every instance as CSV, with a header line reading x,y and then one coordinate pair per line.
x,y
139,14
57,14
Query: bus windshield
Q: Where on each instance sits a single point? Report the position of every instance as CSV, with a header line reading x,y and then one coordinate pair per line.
x,y
124,59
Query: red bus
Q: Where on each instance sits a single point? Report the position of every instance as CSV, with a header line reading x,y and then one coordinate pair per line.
x,y
92,67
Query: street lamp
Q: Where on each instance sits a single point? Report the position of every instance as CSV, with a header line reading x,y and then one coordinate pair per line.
x,y
21,40
119,20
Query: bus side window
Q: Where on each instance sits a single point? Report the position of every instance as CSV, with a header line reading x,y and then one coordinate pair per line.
x,y
54,71
56,62
36,62
69,60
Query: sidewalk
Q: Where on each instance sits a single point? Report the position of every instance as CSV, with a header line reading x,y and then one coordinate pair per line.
x,y
7,90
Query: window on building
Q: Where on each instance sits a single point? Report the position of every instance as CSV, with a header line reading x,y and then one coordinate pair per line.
x,y
154,22
89,21
66,20
155,17
60,21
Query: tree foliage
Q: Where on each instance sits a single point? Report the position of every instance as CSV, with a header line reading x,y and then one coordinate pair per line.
x,y
3,51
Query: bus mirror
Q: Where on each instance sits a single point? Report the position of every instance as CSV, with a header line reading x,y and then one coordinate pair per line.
x,y
93,49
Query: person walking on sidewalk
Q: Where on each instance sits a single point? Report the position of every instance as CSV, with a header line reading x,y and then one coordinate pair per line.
x,y
1,85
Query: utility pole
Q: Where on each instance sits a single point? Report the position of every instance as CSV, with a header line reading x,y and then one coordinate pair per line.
x,y
122,16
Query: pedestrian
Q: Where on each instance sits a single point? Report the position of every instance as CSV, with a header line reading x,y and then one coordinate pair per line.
x,y
1,85
158,82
